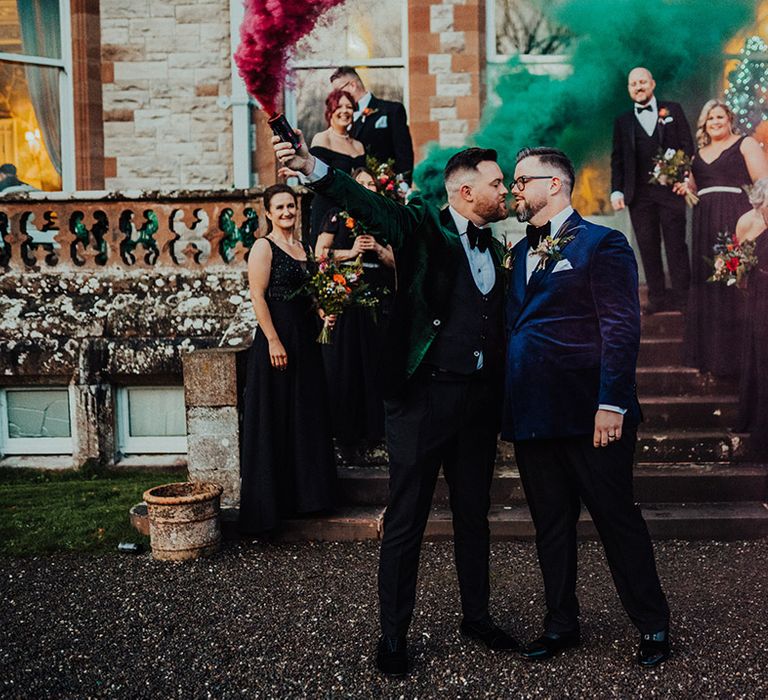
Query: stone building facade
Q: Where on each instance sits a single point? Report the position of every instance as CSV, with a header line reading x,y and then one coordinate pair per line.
x,y
164,64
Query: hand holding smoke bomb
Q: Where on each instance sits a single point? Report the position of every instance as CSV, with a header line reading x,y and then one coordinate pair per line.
x,y
280,127
296,159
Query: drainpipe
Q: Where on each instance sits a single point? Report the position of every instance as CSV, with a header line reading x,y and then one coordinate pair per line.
x,y
240,103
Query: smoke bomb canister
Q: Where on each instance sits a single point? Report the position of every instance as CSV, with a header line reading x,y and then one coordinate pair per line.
x,y
280,127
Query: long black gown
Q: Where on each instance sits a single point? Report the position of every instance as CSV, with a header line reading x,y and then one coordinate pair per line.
x,y
353,359
321,205
715,318
753,396
287,463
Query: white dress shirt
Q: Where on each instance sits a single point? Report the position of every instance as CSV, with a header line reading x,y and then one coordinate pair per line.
x,y
362,103
531,261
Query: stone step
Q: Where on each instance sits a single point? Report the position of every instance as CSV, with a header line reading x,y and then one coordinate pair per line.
x,y
653,483
668,324
680,521
660,352
683,521
672,446
675,380
684,412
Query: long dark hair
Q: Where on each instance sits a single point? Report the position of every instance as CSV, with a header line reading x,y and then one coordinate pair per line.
x,y
270,192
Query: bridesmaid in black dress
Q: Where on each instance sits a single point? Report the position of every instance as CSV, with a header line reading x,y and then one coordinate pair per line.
x,y
753,396
724,164
287,464
352,361
337,148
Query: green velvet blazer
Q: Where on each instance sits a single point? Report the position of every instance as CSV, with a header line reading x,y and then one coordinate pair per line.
x,y
428,252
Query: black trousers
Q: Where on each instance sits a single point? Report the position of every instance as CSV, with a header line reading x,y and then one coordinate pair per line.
x,y
557,476
651,217
450,421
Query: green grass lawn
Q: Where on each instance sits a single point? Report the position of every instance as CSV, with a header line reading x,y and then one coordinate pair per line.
x,y
47,511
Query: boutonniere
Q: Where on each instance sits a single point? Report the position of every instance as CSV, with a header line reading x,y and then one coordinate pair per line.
x,y
551,248
664,116
367,112
508,259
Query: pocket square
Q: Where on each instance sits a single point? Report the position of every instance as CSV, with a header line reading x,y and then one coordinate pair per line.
x,y
564,264
381,122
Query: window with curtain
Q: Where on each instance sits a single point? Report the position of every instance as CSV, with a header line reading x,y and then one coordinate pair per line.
x,y
31,67
369,36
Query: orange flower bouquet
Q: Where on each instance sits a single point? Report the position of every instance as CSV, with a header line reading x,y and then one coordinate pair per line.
x,y
335,288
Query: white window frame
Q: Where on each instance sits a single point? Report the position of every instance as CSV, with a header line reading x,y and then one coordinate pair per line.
x,y
400,61
39,445
66,93
545,63
130,445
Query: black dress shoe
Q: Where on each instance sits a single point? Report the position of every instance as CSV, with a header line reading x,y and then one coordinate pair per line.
x,y
653,649
392,656
550,644
495,638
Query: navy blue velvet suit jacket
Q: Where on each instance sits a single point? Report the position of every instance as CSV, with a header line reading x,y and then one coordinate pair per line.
x,y
573,336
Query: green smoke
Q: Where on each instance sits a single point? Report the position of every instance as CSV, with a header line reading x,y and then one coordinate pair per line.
x,y
679,41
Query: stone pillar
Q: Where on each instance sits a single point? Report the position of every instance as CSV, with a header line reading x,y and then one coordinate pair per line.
x,y
213,443
447,57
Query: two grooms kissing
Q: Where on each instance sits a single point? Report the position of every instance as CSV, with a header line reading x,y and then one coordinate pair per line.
x,y
564,303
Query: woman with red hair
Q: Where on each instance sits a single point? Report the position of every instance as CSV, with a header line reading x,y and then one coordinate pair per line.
x,y
337,148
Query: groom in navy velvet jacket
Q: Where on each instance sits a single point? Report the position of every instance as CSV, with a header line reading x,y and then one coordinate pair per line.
x,y
573,325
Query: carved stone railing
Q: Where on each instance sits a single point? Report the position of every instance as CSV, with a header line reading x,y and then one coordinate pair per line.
x,y
42,231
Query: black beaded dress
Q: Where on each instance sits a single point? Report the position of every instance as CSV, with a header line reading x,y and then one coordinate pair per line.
x,y
353,360
753,396
320,204
287,463
715,317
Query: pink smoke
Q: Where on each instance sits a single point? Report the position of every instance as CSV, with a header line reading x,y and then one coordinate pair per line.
x,y
270,29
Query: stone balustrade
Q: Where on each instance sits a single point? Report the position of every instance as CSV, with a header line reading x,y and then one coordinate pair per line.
x,y
188,230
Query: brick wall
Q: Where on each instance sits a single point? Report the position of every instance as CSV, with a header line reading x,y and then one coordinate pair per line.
x,y
164,64
447,58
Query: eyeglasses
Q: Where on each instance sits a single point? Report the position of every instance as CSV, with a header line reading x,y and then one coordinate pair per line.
x,y
345,85
523,180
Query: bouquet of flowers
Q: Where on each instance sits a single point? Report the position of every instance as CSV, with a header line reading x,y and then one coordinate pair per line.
x,y
732,261
391,185
354,226
670,167
335,288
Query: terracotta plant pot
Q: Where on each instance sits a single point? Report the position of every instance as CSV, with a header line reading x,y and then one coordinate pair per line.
x,y
184,520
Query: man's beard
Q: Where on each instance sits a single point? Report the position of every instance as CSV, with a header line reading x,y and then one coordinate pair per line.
x,y
527,209
491,210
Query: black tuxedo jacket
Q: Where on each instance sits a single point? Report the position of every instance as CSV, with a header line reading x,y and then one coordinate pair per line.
x,y
673,130
573,336
384,133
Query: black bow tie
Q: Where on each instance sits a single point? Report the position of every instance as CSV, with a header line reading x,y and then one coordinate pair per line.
x,y
639,109
479,238
535,234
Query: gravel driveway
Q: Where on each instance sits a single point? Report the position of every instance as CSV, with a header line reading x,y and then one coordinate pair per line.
x,y
278,620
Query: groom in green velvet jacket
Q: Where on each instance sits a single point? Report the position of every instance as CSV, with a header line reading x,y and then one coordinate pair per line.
x,y
443,378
